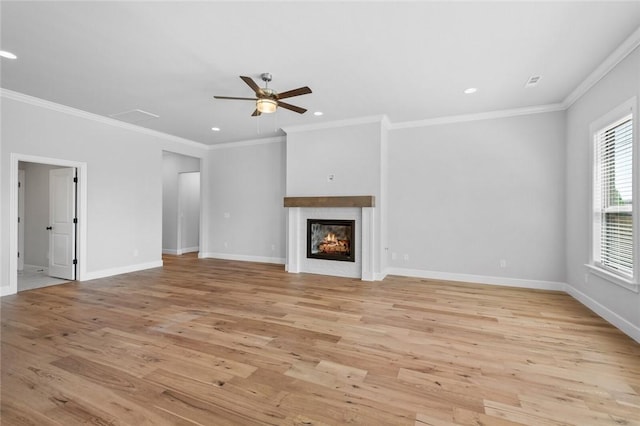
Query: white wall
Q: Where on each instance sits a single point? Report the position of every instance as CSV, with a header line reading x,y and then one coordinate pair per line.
x,y
124,168
36,214
246,185
172,165
189,212
463,196
617,304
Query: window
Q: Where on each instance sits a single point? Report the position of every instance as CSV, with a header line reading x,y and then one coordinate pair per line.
x,y
613,204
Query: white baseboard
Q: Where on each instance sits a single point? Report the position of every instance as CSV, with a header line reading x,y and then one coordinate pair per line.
x,y
178,252
120,270
189,250
35,268
479,279
243,258
379,276
620,323
6,290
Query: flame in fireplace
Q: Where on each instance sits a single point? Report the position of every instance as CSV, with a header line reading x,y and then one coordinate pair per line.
x,y
331,244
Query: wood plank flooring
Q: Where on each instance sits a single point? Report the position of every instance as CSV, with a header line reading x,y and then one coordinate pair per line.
x,y
212,342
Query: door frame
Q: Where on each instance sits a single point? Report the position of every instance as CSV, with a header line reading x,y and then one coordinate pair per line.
x,y
81,203
21,204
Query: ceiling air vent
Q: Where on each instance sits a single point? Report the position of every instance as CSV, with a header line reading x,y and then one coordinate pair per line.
x,y
533,81
134,116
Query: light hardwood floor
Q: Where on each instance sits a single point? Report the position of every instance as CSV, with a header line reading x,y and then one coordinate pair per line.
x,y
211,342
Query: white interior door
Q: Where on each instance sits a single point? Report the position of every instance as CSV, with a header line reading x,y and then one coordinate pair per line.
x,y
62,207
20,220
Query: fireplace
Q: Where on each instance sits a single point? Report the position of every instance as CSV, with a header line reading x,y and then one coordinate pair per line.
x,y
357,211
331,239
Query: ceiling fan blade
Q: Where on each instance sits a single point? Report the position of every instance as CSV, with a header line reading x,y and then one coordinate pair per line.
x,y
251,84
256,113
239,99
295,92
292,107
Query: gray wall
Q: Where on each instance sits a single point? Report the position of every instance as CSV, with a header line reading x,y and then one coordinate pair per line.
x,y
351,153
618,304
246,185
464,196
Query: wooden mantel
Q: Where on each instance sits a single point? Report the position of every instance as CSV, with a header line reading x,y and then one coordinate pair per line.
x,y
346,201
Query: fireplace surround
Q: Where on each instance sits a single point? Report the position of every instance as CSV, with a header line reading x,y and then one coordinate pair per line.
x,y
359,209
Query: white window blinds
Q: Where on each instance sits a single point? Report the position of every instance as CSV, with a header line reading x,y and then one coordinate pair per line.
x,y
613,192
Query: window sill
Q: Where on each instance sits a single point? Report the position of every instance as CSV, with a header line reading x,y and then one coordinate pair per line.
x,y
612,278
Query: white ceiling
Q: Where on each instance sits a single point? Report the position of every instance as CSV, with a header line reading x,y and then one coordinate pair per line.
x,y
408,60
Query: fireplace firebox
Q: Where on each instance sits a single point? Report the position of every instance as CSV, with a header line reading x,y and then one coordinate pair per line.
x,y
331,239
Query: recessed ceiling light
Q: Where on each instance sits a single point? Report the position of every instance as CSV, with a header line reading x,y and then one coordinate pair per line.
x,y
7,55
318,113
470,90
215,129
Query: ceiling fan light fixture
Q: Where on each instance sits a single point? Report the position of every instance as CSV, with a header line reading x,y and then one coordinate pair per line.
x,y
266,105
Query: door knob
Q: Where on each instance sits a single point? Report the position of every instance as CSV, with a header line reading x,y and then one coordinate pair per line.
x,y
49,228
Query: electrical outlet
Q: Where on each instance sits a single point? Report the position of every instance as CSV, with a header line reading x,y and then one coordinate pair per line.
x,y
331,177
227,215
135,252
226,245
503,263
273,247
406,257
394,256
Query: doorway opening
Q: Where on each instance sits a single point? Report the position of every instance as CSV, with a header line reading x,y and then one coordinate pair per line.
x,y
47,222
180,204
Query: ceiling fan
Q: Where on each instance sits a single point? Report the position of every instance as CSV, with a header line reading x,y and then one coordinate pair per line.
x,y
268,100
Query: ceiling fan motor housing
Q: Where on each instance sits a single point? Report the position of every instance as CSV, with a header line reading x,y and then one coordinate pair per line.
x,y
269,93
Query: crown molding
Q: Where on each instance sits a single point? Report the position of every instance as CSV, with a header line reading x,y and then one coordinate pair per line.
x,y
386,124
32,100
620,53
539,109
624,50
250,142
335,124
